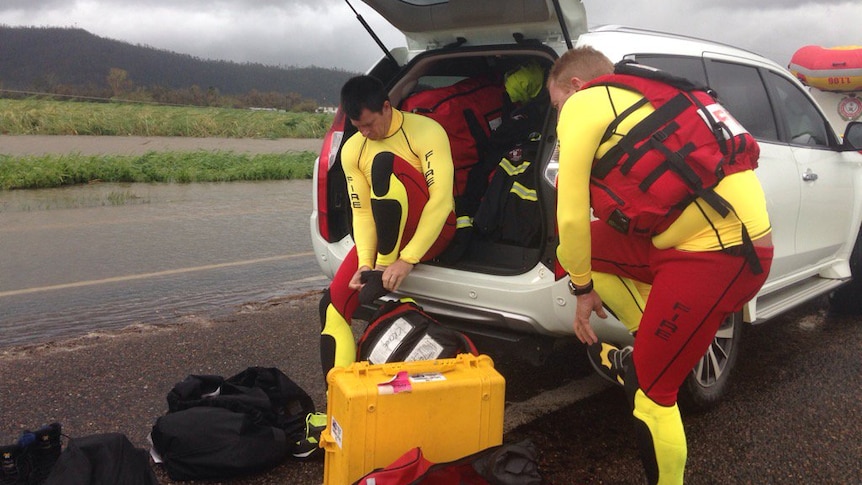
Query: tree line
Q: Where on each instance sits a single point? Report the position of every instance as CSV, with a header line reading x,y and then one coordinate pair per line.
x,y
71,63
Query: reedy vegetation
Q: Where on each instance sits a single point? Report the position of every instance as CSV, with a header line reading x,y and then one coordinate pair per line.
x,y
41,117
45,117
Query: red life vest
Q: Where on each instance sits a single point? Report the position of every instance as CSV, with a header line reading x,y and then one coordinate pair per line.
x,y
676,154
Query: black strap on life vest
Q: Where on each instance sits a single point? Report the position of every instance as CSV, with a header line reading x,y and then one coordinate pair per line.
x,y
718,131
658,126
746,250
649,126
612,128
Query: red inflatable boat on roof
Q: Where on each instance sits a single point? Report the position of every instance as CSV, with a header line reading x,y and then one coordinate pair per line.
x,y
829,69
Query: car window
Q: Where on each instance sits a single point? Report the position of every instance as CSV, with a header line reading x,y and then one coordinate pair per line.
x,y
740,89
803,122
690,68
430,82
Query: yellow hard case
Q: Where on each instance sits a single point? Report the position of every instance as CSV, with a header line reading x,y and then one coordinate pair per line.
x,y
453,408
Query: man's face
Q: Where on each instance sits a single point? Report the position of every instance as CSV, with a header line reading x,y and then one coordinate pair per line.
x,y
372,124
560,92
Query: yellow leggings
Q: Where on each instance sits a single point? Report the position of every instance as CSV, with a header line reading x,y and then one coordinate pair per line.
x,y
661,440
659,430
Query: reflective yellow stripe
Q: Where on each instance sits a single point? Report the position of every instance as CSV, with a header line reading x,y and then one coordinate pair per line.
x,y
463,221
524,192
513,170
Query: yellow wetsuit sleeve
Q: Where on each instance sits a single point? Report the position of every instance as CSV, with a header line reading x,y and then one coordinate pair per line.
x,y
582,123
359,194
431,143
422,143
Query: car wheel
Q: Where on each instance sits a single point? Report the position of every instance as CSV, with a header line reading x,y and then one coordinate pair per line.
x,y
708,382
846,300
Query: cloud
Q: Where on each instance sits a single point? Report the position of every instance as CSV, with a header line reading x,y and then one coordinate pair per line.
x,y
773,28
326,32
273,32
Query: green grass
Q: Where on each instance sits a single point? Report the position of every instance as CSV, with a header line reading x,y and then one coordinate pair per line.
x,y
48,117
180,167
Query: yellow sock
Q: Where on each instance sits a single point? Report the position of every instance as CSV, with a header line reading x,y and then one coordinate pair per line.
x,y
666,440
338,328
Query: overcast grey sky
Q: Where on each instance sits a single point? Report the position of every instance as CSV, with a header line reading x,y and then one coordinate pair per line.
x,y
326,33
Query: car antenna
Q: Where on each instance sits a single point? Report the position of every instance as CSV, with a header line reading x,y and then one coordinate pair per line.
x,y
371,32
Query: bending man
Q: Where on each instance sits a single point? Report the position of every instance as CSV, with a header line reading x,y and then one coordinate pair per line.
x,y
693,265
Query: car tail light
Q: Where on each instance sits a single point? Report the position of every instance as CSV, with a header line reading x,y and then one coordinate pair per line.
x,y
552,167
331,144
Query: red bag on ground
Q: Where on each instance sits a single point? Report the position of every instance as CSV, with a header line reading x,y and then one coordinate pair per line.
x,y
406,469
506,464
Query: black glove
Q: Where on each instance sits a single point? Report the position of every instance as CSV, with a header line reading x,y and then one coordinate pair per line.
x,y
373,289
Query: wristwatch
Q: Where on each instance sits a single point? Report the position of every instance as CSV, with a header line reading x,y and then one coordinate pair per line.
x,y
583,290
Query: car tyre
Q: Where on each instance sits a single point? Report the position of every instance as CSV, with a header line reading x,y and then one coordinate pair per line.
x,y
709,380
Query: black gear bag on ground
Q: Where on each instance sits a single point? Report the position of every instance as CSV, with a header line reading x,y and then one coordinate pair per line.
x,y
102,459
219,428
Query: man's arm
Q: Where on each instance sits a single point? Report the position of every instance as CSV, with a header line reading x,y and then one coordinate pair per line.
x,y
579,137
432,146
359,193
579,131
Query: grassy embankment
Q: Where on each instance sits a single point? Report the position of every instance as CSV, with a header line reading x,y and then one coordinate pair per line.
x,y
44,117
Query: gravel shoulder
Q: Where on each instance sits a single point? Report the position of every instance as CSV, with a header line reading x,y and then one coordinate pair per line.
x,y
23,145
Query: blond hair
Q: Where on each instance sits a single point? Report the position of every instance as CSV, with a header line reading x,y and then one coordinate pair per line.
x,y
585,63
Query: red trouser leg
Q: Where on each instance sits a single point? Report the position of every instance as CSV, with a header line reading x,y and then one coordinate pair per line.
x,y
692,293
396,219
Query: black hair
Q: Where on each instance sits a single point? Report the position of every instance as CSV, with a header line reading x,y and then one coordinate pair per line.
x,y
362,92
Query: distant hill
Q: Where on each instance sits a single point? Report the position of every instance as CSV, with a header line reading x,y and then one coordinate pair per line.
x,y
35,58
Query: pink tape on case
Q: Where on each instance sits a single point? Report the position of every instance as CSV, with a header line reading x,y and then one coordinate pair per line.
x,y
399,383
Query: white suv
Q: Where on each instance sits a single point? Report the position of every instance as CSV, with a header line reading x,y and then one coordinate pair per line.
x,y
516,293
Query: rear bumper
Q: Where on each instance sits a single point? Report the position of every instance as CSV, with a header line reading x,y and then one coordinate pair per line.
x,y
532,302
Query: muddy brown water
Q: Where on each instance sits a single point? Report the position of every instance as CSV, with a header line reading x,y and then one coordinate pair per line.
x,y
101,257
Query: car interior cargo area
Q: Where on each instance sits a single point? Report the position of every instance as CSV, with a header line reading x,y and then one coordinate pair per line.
x,y
495,109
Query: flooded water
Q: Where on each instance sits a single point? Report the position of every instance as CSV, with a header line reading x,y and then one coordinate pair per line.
x,y
102,257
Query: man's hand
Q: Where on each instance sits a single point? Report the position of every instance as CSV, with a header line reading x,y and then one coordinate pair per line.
x,y
587,304
394,274
355,281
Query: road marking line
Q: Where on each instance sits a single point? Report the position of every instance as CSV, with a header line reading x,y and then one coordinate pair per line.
x,y
170,272
549,401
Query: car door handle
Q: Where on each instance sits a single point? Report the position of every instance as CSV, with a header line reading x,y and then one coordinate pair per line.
x,y
809,176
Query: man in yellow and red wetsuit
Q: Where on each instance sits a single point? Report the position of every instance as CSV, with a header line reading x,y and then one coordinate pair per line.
x,y
399,175
672,288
